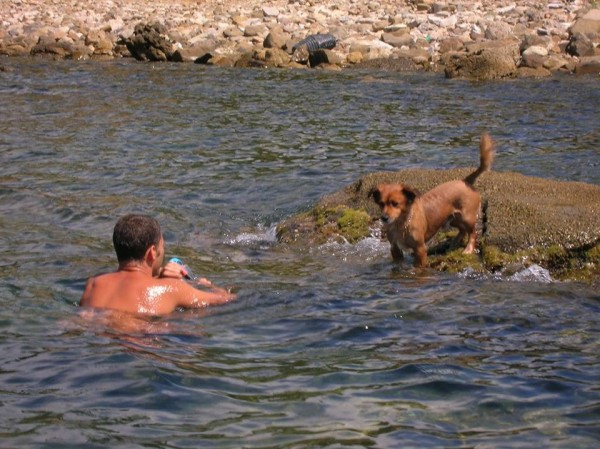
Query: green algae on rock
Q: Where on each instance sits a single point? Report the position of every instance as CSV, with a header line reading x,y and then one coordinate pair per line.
x,y
525,220
326,223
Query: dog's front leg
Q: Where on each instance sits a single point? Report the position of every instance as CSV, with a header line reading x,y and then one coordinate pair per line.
x,y
420,253
397,253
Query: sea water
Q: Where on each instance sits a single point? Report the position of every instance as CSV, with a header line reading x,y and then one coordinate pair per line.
x,y
326,346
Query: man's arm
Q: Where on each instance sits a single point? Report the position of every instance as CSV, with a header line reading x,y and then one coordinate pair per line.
x,y
195,298
191,297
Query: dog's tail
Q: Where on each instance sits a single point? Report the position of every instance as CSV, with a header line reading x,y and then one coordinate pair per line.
x,y
486,157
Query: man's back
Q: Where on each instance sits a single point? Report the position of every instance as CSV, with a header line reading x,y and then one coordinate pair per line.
x,y
136,292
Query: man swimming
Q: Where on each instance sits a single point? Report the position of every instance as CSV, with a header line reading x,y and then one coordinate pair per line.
x,y
141,285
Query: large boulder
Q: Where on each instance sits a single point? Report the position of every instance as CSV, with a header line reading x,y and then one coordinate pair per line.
x,y
399,38
195,51
150,42
63,47
484,61
498,30
272,57
524,220
584,35
277,38
101,41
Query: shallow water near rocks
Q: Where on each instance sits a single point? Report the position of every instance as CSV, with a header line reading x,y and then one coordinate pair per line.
x,y
331,346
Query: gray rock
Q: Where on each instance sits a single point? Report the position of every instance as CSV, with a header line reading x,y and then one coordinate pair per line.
x,y
498,30
584,35
195,52
580,45
451,44
398,39
535,50
255,30
277,38
533,60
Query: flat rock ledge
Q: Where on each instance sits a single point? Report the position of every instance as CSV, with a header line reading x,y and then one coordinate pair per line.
x,y
482,40
524,221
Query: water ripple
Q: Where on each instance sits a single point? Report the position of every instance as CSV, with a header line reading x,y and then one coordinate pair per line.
x,y
330,346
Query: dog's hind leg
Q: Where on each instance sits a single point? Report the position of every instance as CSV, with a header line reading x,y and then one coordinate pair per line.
x,y
467,227
471,242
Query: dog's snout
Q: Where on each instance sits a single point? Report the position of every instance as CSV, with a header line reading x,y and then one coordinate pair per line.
x,y
385,218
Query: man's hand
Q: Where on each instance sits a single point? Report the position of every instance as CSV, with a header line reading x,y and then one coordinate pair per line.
x,y
204,282
172,270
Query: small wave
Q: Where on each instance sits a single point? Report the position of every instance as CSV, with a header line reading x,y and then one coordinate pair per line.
x,y
261,236
533,273
368,248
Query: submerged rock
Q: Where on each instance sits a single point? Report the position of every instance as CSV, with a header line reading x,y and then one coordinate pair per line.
x,y
524,221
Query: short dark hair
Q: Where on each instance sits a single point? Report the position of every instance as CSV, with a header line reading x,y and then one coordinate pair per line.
x,y
133,235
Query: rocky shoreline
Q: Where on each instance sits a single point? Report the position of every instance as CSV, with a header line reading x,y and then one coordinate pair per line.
x,y
476,40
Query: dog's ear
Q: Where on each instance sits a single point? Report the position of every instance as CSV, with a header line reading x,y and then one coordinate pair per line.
x,y
375,194
410,194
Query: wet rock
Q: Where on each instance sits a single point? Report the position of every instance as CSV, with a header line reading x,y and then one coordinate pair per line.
x,y
528,220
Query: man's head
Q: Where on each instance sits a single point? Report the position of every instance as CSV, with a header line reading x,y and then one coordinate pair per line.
x,y
134,235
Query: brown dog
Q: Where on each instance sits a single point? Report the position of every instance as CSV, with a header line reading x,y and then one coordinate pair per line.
x,y
410,219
